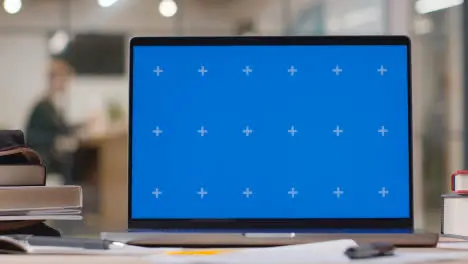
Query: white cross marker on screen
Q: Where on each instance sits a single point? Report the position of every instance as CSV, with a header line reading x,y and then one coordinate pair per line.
x,y
337,70
383,192
158,71
337,131
247,131
157,131
157,193
338,192
247,192
292,131
382,70
202,193
382,131
292,70
202,131
247,70
202,70
293,192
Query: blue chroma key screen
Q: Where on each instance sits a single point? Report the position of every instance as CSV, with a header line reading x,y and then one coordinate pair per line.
x,y
270,132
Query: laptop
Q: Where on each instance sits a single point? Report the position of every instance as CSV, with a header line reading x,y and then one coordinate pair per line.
x,y
264,141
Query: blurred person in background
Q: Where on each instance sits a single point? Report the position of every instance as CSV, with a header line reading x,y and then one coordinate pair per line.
x,y
48,132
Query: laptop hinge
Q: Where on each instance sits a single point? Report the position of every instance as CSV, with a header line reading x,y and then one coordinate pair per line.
x,y
269,235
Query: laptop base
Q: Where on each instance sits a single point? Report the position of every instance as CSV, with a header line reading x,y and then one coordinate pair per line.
x,y
199,240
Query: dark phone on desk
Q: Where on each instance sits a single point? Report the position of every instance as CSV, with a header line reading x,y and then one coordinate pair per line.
x,y
370,251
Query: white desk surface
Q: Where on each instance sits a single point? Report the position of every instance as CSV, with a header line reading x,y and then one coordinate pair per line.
x,y
61,259
75,259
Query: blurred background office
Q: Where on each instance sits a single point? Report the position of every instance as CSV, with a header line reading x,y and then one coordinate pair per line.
x,y
82,44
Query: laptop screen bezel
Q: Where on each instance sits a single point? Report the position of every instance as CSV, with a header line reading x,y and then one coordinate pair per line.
x,y
286,223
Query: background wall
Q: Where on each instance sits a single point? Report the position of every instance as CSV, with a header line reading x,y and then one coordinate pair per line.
x,y
24,34
20,80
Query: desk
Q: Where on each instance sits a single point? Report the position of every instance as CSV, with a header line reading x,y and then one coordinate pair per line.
x,y
23,259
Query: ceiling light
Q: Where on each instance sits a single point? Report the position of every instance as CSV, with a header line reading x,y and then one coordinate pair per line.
x,y
12,6
106,3
167,8
427,6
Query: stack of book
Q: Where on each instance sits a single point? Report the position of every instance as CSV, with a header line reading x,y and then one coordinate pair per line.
x,y
23,194
455,206
40,203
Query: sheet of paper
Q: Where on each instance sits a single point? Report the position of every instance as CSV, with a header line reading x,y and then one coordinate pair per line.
x,y
453,245
315,253
324,252
312,258
417,258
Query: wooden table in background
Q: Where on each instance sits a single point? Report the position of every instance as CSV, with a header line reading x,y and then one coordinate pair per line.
x,y
110,179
